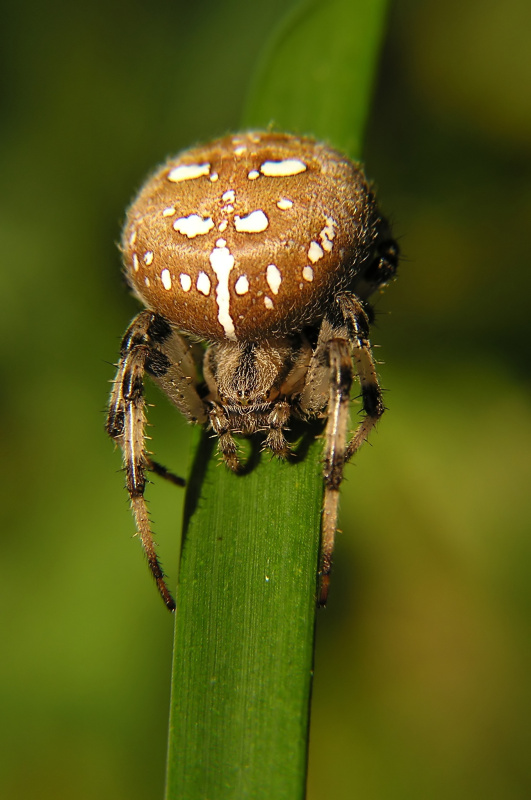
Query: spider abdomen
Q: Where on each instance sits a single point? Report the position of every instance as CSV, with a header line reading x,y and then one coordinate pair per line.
x,y
250,236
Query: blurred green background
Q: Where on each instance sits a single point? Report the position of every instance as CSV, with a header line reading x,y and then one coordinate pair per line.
x,y
424,652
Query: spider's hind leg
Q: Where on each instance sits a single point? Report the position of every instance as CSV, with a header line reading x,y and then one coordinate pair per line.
x,y
162,472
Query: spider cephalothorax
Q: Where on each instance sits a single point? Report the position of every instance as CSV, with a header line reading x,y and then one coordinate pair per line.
x,y
266,247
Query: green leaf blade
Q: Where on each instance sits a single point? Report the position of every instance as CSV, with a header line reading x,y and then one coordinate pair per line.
x,y
244,629
317,74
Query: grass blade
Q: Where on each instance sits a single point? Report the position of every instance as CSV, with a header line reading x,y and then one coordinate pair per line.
x,y
247,585
317,74
244,629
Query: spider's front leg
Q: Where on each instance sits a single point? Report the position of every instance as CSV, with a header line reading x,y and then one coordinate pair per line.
x,y
343,350
149,345
277,421
221,426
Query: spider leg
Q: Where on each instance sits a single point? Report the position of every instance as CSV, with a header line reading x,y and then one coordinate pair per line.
x,y
277,421
162,472
145,348
340,376
371,393
227,446
343,349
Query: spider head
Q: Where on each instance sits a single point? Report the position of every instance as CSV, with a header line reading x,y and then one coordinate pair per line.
x,y
249,374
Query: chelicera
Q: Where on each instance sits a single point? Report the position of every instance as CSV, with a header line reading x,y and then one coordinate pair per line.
x,y
266,247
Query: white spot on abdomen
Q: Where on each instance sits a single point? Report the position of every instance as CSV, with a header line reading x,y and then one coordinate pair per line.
x,y
242,285
186,172
281,169
284,203
193,225
168,212
229,196
222,262
135,262
315,252
166,279
203,283
274,278
268,302
253,175
255,222
148,257
307,274
328,234
185,281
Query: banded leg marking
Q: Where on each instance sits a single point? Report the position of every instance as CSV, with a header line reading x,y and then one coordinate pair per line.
x,y
126,426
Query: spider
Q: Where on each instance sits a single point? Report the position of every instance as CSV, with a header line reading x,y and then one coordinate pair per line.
x,y
266,247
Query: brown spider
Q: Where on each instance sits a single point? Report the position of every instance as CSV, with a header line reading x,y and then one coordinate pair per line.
x,y
266,246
